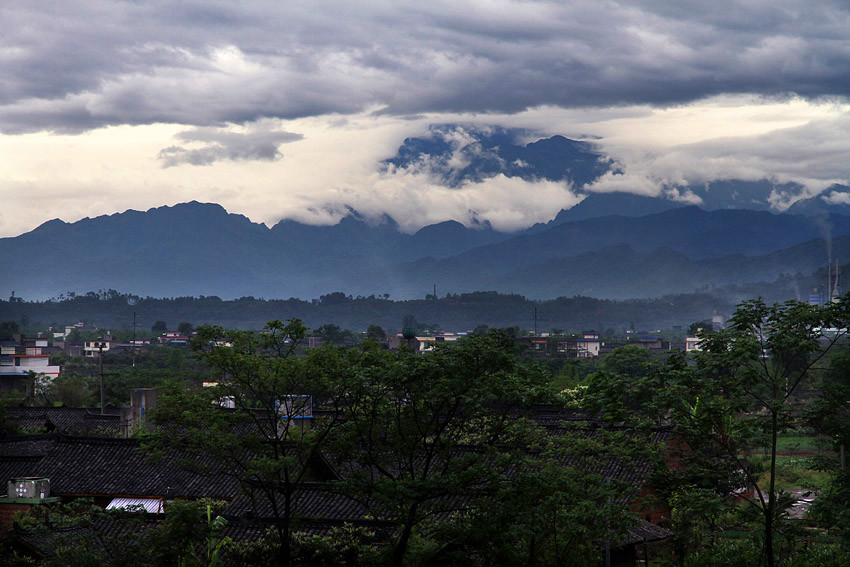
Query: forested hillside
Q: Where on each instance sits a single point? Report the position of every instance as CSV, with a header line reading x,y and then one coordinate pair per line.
x,y
110,309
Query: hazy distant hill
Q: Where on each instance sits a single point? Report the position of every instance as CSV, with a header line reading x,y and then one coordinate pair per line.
x,y
199,249
625,244
621,273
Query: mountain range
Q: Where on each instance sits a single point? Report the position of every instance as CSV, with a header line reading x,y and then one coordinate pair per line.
x,y
195,249
609,245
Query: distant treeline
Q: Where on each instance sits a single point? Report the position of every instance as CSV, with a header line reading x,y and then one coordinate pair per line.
x,y
111,309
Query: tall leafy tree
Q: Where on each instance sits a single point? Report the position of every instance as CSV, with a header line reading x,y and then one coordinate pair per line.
x,y
435,434
558,508
762,360
266,444
185,328
830,415
736,396
376,332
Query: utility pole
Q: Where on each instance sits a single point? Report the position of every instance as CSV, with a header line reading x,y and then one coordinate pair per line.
x,y
134,339
100,345
535,320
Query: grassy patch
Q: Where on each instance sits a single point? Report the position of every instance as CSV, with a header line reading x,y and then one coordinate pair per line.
x,y
794,473
798,442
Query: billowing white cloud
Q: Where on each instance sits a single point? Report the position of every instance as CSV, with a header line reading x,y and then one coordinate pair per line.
x,y
837,198
812,155
415,200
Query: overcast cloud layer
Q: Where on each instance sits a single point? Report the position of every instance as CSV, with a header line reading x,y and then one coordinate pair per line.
x,y
143,95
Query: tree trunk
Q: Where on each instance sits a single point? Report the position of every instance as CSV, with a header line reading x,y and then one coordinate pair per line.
x,y
284,526
285,543
401,546
770,513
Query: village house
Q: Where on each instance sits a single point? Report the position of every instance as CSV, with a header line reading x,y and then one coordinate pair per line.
x,y
21,356
588,346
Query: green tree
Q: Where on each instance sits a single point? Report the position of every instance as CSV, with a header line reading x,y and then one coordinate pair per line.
x,y
629,361
159,327
435,433
481,330
556,509
767,353
697,326
72,390
185,329
334,335
409,322
84,535
694,516
737,396
830,416
376,332
266,445
191,535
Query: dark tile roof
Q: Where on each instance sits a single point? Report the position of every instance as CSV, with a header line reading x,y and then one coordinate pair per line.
x,y
312,503
15,467
27,445
117,467
577,423
646,531
105,467
100,466
69,420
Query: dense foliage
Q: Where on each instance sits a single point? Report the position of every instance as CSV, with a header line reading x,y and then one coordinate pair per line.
x,y
729,404
464,311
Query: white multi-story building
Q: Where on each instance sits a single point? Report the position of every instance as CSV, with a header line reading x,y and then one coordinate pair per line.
x,y
19,357
587,346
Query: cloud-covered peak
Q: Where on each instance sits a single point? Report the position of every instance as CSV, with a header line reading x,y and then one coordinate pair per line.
x,y
454,154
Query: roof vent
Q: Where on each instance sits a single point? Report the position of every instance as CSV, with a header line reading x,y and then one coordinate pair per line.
x,y
29,487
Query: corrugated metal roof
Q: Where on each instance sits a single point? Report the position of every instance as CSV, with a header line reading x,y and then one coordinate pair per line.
x,y
151,505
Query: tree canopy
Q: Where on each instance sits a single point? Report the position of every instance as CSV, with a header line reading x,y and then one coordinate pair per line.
x,y
736,395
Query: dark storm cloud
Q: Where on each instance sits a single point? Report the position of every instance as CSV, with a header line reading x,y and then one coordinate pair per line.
x,y
75,66
205,146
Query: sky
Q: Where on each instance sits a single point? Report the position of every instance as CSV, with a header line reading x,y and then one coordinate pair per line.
x,y
287,109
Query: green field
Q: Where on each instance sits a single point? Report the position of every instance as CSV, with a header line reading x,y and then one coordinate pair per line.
x,y
794,463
